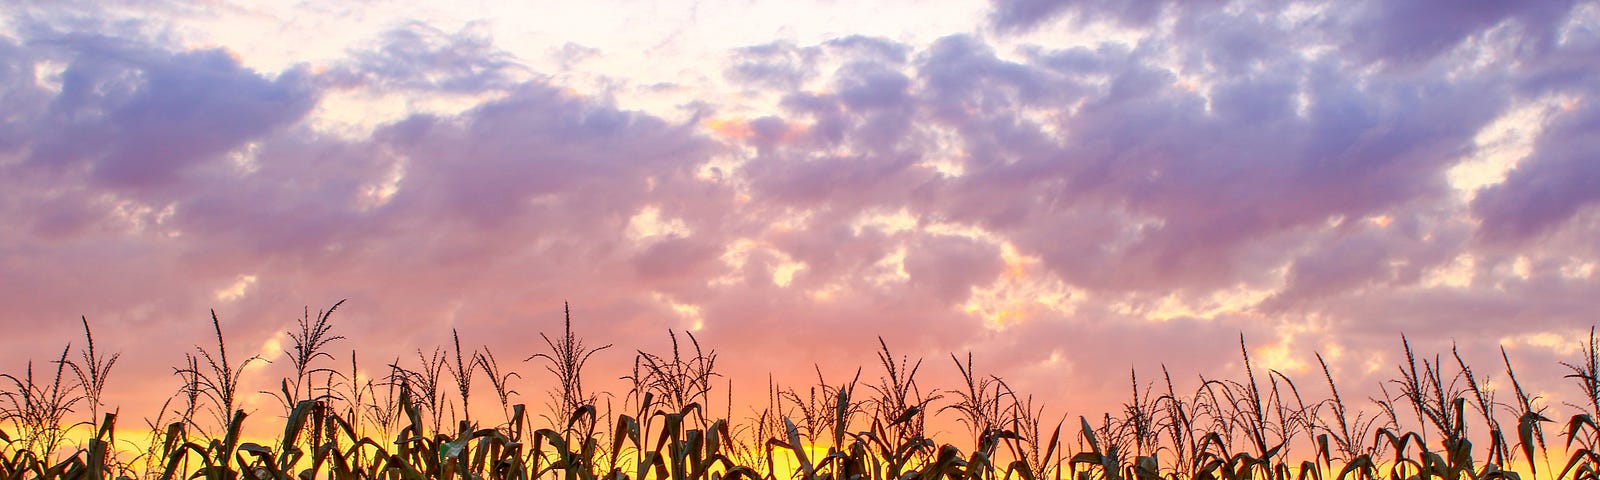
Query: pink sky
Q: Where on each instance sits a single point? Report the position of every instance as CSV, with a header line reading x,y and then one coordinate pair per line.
x,y
1068,190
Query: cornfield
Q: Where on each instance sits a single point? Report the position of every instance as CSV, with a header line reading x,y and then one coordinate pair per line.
x,y
413,423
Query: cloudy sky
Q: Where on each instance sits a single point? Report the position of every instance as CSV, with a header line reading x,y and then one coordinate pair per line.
x,y
1065,189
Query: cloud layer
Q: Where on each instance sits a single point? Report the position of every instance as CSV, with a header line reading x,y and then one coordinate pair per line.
x,y
1312,176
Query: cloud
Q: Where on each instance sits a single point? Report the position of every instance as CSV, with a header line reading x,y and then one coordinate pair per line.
x,y
1380,252
571,54
1393,32
1022,15
1183,180
878,48
417,56
1065,212
143,118
192,162
494,162
1136,172
777,65
1558,181
20,94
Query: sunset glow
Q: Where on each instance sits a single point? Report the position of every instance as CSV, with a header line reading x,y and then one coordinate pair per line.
x,y
1068,191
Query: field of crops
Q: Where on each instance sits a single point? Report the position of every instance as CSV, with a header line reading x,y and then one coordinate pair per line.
x,y
413,423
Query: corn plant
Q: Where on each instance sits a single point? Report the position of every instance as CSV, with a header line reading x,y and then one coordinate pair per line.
x,y
414,423
38,409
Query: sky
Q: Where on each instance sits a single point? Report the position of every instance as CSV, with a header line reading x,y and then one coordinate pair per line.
x,y
1068,190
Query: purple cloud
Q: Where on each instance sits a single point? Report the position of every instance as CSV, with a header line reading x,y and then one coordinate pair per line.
x,y
1021,15
1416,32
420,57
1559,179
143,118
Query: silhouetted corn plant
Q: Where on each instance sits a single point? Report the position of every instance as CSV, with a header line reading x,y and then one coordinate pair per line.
x,y
216,381
1583,435
901,403
92,372
1530,420
37,410
461,374
308,342
565,361
980,401
1238,429
1348,434
499,381
422,385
